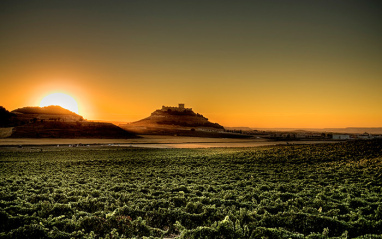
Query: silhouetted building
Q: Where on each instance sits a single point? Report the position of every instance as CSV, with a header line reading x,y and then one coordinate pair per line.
x,y
341,136
180,108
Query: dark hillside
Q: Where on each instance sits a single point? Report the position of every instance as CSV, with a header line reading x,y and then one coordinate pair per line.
x,y
5,117
70,130
57,122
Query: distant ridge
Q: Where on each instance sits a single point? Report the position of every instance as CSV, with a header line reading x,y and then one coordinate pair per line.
x,y
51,109
57,122
356,130
347,130
47,113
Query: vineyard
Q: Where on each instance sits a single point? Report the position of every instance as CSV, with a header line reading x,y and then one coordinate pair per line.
x,y
290,191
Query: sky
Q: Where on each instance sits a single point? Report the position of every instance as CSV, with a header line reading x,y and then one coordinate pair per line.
x,y
274,63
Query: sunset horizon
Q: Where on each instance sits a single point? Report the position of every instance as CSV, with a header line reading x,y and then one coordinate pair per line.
x,y
230,126
249,64
180,119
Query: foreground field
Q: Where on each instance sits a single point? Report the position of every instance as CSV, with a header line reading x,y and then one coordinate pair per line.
x,y
294,191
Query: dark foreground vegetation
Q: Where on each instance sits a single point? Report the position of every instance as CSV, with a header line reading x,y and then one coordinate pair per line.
x,y
307,191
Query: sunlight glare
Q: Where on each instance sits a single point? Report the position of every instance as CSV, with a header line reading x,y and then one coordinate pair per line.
x,y
60,99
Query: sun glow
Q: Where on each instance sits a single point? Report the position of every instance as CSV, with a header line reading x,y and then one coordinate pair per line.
x,y
60,99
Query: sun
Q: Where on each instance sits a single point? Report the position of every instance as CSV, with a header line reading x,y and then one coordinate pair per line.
x,y
60,99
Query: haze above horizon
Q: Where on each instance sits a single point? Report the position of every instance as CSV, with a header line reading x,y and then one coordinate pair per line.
x,y
264,64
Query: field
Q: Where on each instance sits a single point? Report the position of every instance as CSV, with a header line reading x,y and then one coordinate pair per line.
x,y
288,191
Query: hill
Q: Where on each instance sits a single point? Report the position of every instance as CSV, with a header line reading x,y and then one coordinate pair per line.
x,y
179,121
51,109
56,122
47,113
178,116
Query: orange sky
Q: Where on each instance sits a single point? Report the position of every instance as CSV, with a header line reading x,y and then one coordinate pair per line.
x,y
249,63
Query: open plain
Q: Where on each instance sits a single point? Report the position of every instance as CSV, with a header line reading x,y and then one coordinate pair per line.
x,y
153,141
106,191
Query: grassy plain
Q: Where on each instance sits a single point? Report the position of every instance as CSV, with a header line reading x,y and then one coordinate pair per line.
x,y
290,191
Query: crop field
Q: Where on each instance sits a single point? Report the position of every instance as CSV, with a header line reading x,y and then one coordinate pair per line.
x,y
290,191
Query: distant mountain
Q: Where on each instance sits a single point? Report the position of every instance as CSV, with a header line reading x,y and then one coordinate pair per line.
x,y
57,122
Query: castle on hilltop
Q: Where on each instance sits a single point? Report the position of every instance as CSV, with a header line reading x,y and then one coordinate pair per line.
x,y
180,116
180,108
